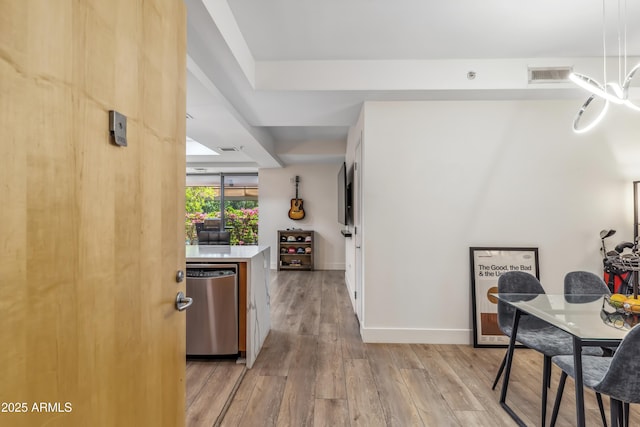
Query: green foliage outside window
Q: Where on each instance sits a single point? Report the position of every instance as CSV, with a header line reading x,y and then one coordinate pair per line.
x,y
245,225
241,215
202,199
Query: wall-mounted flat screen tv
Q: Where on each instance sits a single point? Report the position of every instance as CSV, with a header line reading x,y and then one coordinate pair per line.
x,y
344,195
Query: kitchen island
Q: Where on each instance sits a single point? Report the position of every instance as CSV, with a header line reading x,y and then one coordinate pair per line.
x,y
253,282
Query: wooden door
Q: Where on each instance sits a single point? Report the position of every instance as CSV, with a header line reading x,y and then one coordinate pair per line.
x,y
91,234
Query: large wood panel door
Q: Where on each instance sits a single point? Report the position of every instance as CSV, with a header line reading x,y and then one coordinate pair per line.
x,y
91,234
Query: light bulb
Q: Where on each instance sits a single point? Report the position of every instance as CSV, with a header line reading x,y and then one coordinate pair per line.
x,y
595,121
596,88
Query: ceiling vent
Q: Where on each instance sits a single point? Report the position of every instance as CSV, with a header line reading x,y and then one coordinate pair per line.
x,y
549,74
189,116
227,149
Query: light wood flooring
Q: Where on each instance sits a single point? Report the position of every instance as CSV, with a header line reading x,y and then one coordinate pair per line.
x,y
314,370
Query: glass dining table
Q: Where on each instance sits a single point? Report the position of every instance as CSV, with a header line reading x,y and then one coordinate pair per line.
x,y
589,319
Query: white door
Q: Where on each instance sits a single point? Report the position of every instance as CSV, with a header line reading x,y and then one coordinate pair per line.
x,y
357,197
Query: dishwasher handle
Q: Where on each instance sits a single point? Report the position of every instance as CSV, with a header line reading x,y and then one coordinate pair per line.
x,y
183,302
213,266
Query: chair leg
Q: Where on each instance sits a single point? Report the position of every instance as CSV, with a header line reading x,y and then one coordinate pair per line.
x,y
613,409
601,407
499,374
616,413
626,414
546,383
556,405
620,414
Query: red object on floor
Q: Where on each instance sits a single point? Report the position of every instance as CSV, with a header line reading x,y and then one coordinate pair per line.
x,y
618,281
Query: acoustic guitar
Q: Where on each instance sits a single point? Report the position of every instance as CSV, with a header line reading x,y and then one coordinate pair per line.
x,y
296,212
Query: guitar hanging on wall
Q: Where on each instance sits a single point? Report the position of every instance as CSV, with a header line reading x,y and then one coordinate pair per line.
x,y
296,212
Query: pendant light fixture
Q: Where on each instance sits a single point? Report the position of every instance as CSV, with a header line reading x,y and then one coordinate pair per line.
x,y
616,92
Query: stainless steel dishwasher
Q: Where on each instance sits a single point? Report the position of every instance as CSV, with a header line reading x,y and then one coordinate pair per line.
x,y
212,320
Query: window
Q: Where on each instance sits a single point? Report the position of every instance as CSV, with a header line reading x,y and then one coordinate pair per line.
x,y
238,193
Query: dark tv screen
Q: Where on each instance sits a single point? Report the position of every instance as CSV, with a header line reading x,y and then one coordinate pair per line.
x,y
344,196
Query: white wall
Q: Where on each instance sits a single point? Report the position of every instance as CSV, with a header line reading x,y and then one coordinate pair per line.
x,y
442,176
353,138
319,191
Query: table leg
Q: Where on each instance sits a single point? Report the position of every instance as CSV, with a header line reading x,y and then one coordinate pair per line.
x,y
507,370
577,363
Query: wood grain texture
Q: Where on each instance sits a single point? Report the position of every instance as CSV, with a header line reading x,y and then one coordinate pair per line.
x,y
296,408
426,397
394,395
330,413
264,405
329,377
92,238
210,401
365,408
238,403
330,381
196,377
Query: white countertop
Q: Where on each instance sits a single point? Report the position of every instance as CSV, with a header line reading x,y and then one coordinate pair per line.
x,y
204,253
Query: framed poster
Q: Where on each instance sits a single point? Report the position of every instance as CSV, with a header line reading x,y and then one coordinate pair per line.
x,y
487,264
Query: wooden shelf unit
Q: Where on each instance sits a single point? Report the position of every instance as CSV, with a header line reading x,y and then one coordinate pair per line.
x,y
295,261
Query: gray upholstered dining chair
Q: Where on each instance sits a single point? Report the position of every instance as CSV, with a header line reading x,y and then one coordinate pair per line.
x,y
514,282
532,332
586,283
617,377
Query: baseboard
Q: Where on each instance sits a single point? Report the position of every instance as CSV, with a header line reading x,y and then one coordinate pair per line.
x,y
330,266
416,336
350,291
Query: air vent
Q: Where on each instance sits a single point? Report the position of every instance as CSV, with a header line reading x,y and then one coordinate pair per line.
x,y
189,116
227,149
549,74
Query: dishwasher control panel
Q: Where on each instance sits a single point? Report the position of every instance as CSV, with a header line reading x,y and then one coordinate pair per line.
x,y
205,273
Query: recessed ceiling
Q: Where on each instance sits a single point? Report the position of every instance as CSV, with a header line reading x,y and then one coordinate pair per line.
x,y
268,75
194,148
415,29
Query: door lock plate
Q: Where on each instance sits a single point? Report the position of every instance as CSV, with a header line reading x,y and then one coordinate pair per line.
x,y
118,128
